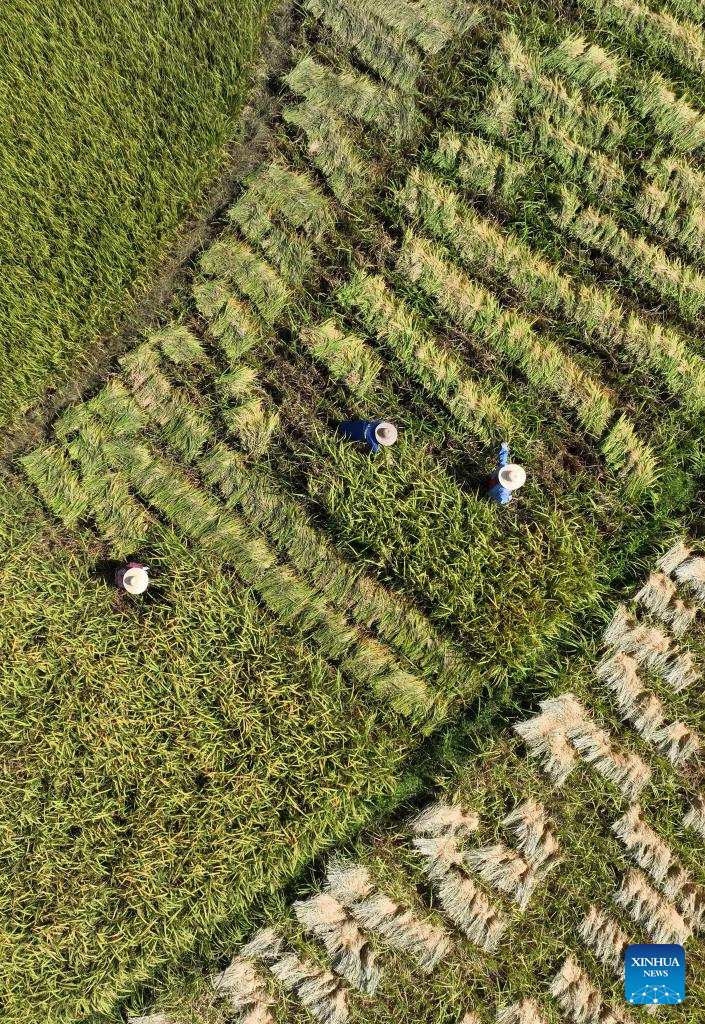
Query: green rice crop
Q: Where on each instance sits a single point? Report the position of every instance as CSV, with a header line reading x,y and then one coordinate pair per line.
x,y
500,257
440,372
350,94
348,358
151,766
255,278
393,59
329,631
117,121
590,124
676,121
474,308
657,31
678,284
330,148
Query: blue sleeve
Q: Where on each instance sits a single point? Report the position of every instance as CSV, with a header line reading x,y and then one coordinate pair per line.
x,y
503,455
370,436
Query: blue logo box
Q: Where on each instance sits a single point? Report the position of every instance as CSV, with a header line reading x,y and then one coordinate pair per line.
x,y
654,973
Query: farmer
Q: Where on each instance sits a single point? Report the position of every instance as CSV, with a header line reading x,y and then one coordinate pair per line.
x,y
132,577
376,433
508,477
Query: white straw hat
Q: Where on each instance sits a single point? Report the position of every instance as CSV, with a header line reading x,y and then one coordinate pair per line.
x,y
512,476
135,580
386,433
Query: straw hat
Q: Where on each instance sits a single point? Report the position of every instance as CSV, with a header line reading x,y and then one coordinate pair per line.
x,y
135,580
386,433
512,476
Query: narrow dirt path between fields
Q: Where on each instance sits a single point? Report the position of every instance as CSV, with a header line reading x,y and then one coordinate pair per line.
x,y
254,131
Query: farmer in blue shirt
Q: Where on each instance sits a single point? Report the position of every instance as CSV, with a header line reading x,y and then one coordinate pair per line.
x,y
375,433
508,477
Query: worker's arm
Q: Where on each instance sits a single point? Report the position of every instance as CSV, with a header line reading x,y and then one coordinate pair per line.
x,y
503,455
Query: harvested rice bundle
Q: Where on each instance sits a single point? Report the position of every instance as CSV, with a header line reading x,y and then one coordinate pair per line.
x,y
680,672
536,841
589,167
626,770
482,167
330,148
648,849
677,742
391,57
471,910
576,995
179,344
402,930
242,983
644,710
677,177
441,818
647,908
562,728
290,253
151,1018
589,123
620,674
292,196
470,1018
629,456
345,942
252,423
648,645
256,279
455,16
396,926
658,595
524,1012
355,95
348,882
498,118
246,991
441,854
349,359
691,574
675,556
324,996
659,31
52,474
506,870
695,816
676,121
602,934
547,737
230,319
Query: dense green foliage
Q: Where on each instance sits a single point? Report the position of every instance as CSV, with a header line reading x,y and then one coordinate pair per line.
x,y
473,253
114,119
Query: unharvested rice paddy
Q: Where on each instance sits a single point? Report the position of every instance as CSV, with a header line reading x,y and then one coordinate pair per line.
x,y
372,748
115,118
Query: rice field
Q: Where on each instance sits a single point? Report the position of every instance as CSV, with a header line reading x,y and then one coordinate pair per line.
x,y
372,748
116,121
